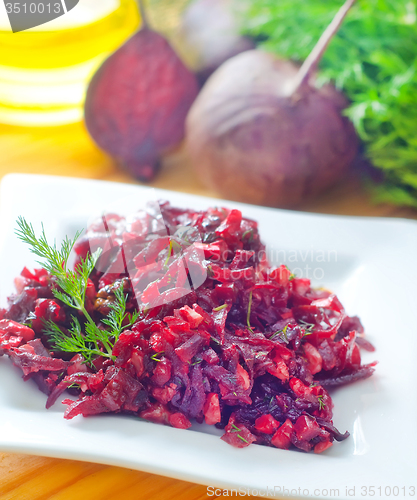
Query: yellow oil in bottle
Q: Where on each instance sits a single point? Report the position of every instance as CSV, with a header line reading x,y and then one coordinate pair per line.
x,y
44,71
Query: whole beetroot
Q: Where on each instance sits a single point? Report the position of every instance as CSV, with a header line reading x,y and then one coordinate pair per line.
x,y
261,132
138,100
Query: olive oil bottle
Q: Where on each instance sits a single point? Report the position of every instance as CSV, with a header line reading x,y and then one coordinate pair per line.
x,y
44,71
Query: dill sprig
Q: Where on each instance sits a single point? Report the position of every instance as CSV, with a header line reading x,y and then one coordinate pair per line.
x,y
94,341
72,285
249,233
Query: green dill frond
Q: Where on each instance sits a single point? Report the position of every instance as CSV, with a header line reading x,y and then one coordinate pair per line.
x,y
118,315
53,260
74,341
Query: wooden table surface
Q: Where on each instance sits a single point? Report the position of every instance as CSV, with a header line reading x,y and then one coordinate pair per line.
x,y
68,151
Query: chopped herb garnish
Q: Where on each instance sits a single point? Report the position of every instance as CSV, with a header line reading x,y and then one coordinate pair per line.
x,y
169,253
322,404
74,385
248,315
246,233
156,356
283,333
308,327
242,438
220,308
210,272
235,429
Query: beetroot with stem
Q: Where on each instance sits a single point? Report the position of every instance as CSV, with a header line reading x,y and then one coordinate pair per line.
x,y
260,131
138,100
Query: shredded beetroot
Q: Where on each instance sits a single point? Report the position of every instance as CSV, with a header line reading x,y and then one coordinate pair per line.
x,y
223,337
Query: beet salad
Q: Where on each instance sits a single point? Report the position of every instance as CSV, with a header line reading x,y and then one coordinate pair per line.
x,y
175,316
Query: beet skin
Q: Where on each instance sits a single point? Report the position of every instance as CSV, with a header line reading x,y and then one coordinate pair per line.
x,y
137,102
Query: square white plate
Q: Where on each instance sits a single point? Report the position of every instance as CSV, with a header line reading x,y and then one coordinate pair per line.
x,y
370,263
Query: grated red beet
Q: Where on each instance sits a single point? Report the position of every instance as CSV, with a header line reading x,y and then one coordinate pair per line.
x,y
223,338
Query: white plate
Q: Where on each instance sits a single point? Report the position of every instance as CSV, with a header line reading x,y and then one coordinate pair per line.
x,y
370,263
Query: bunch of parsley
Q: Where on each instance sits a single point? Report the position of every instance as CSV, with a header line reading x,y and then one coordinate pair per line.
x,y
372,59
